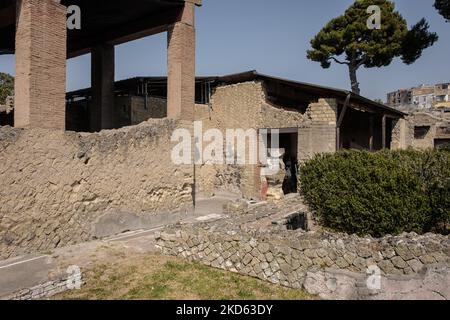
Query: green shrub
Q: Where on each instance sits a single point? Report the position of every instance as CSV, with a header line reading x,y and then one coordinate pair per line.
x,y
388,192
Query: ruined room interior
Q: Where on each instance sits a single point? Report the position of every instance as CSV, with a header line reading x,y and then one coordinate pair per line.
x,y
103,29
135,100
363,130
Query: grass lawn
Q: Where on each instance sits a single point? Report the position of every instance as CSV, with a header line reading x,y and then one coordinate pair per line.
x,y
148,277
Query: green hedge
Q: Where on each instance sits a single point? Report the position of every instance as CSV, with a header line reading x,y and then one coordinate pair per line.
x,y
388,192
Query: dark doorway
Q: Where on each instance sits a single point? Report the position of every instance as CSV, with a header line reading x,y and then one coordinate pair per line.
x,y
7,119
289,142
288,145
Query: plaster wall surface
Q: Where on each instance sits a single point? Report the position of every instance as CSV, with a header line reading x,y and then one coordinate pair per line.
x,y
58,188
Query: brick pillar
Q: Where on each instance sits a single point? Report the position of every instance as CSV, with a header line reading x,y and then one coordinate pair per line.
x,y
181,66
40,83
102,81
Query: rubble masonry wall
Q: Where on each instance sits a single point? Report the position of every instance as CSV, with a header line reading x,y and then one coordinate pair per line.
x,y
56,187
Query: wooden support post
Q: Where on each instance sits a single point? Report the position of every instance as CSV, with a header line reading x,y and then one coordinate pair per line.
x,y
344,111
371,130
340,120
338,138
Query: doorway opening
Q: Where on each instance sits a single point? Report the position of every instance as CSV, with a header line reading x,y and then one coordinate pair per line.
x,y
289,143
284,181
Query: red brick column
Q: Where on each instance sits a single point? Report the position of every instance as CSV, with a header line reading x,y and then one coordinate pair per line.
x,y
40,83
102,81
181,66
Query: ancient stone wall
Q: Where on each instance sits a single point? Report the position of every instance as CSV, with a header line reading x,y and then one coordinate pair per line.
x,y
434,123
332,265
246,106
156,108
57,187
324,112
421,120
232,107
403,135
398,141
41,291
318,135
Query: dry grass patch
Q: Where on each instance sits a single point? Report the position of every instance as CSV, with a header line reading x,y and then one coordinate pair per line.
x,y
150,277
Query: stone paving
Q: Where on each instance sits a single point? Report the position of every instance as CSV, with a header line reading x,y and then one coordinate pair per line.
x,y
253,239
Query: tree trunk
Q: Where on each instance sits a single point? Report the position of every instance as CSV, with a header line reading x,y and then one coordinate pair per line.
x,y
353,79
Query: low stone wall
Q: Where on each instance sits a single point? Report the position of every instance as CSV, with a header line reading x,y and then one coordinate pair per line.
x,y
331,265
40,291
60,188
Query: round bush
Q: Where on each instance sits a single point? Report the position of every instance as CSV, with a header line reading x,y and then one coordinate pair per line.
x,y
387,192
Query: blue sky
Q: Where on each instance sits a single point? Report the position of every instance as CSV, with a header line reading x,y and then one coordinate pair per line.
x,y
272,37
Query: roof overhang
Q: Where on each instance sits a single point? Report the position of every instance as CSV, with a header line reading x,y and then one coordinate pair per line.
x,y
311,90
103,21
317,91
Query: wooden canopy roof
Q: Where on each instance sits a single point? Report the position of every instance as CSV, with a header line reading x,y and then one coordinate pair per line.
x,y
102,21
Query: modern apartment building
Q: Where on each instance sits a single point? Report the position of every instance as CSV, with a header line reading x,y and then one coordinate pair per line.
x,y
423,97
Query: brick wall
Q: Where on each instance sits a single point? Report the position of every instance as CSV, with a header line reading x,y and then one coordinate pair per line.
x,y
323,112
318,134
40,82
156,109
181,66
